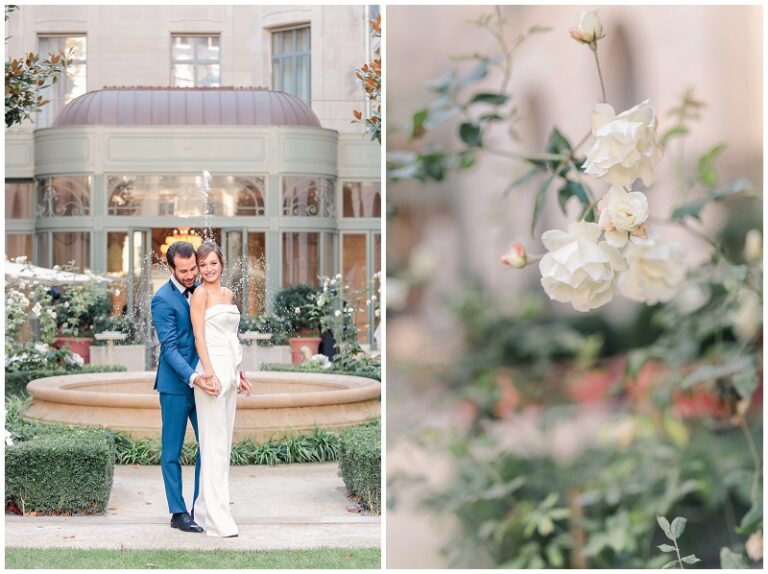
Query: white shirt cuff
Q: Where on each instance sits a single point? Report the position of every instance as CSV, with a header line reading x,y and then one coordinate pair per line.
x,y
192,379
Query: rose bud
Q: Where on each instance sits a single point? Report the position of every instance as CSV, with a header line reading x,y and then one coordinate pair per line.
x,y
589,30
516,256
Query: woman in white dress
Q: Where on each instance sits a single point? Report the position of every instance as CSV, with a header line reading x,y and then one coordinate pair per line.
x,y
215,321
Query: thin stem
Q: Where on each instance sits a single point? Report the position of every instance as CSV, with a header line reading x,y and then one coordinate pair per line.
x,y
593,47
755,457
677,551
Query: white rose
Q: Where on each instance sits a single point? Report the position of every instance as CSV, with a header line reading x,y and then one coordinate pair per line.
x,y
41,348
337,313
656,271
37,309
622,215
589,28
748,316
577,269
626,146
753,247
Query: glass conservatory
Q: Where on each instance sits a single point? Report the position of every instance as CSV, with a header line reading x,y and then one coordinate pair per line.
x,y
119,177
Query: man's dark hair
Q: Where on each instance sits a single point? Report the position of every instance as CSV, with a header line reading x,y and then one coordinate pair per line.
x,y
183,249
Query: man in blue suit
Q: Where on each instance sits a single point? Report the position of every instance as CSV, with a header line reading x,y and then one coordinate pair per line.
x,y
176,377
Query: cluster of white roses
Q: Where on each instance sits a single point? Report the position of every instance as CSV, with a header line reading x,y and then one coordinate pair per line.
x,y
580,268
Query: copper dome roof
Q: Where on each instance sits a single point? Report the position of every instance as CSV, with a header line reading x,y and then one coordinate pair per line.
x,y
187,107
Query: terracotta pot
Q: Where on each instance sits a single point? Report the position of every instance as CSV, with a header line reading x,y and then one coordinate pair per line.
x,y
79,345
298,346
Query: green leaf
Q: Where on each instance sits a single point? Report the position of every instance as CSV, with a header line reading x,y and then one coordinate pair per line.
x,y
477,73
637,359
417,129
690,559
527,176
557,143
677,131
753,519
666,548
664,523
671,564
470,134
443,84
569,190
745,384
490,118
541,199
489,98
730,560
555,556
707,173
678,527
588,214
466,159
739,365
692,209
546,526
732,188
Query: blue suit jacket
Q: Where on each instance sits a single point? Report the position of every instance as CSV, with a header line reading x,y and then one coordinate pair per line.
x,y
178,356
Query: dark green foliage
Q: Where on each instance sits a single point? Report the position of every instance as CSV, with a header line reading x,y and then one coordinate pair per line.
x,y
16,382
360,463
287,300
60,470
279,327
344,366
320,446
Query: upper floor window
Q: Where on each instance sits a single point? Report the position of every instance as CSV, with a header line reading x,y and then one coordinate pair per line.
x,y
291,62
195,61
70,84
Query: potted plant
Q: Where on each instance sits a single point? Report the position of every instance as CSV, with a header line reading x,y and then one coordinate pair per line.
x,y
298,306
77,308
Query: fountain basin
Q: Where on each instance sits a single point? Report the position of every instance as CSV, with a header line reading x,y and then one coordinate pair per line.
x,y
281,404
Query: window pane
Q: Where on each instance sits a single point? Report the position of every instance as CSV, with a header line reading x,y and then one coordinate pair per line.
x,y
72,84
19,200
207,75
301,262
308,196
18,245
183,75
117,269
181,48
181,195
355,273
72,247
362,199
328,247
257,273
208,48
302,78
302,40
289,76
64,196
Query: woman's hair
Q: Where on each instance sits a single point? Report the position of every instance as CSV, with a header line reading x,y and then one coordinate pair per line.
x,y
207,248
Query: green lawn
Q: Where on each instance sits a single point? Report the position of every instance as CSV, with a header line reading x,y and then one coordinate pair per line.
x,y
138,559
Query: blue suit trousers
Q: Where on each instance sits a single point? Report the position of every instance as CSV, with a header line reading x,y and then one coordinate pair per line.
x,y
176,410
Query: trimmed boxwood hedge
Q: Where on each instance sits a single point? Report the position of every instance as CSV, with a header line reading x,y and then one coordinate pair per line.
x,y
60,470
16,381
360,463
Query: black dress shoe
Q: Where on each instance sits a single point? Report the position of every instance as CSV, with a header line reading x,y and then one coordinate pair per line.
x,y
183,521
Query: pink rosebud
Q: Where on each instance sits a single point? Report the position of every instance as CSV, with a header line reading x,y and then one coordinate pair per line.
x,y
589,30
516,256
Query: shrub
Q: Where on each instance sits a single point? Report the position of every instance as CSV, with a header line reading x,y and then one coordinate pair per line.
x,y
60,470
294,297
360,463
16,382
369,371
277,326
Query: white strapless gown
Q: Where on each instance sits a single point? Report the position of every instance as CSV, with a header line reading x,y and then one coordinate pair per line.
x,y
216,419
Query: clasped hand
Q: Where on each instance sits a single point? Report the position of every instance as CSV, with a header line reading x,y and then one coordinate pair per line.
x,y
209,384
